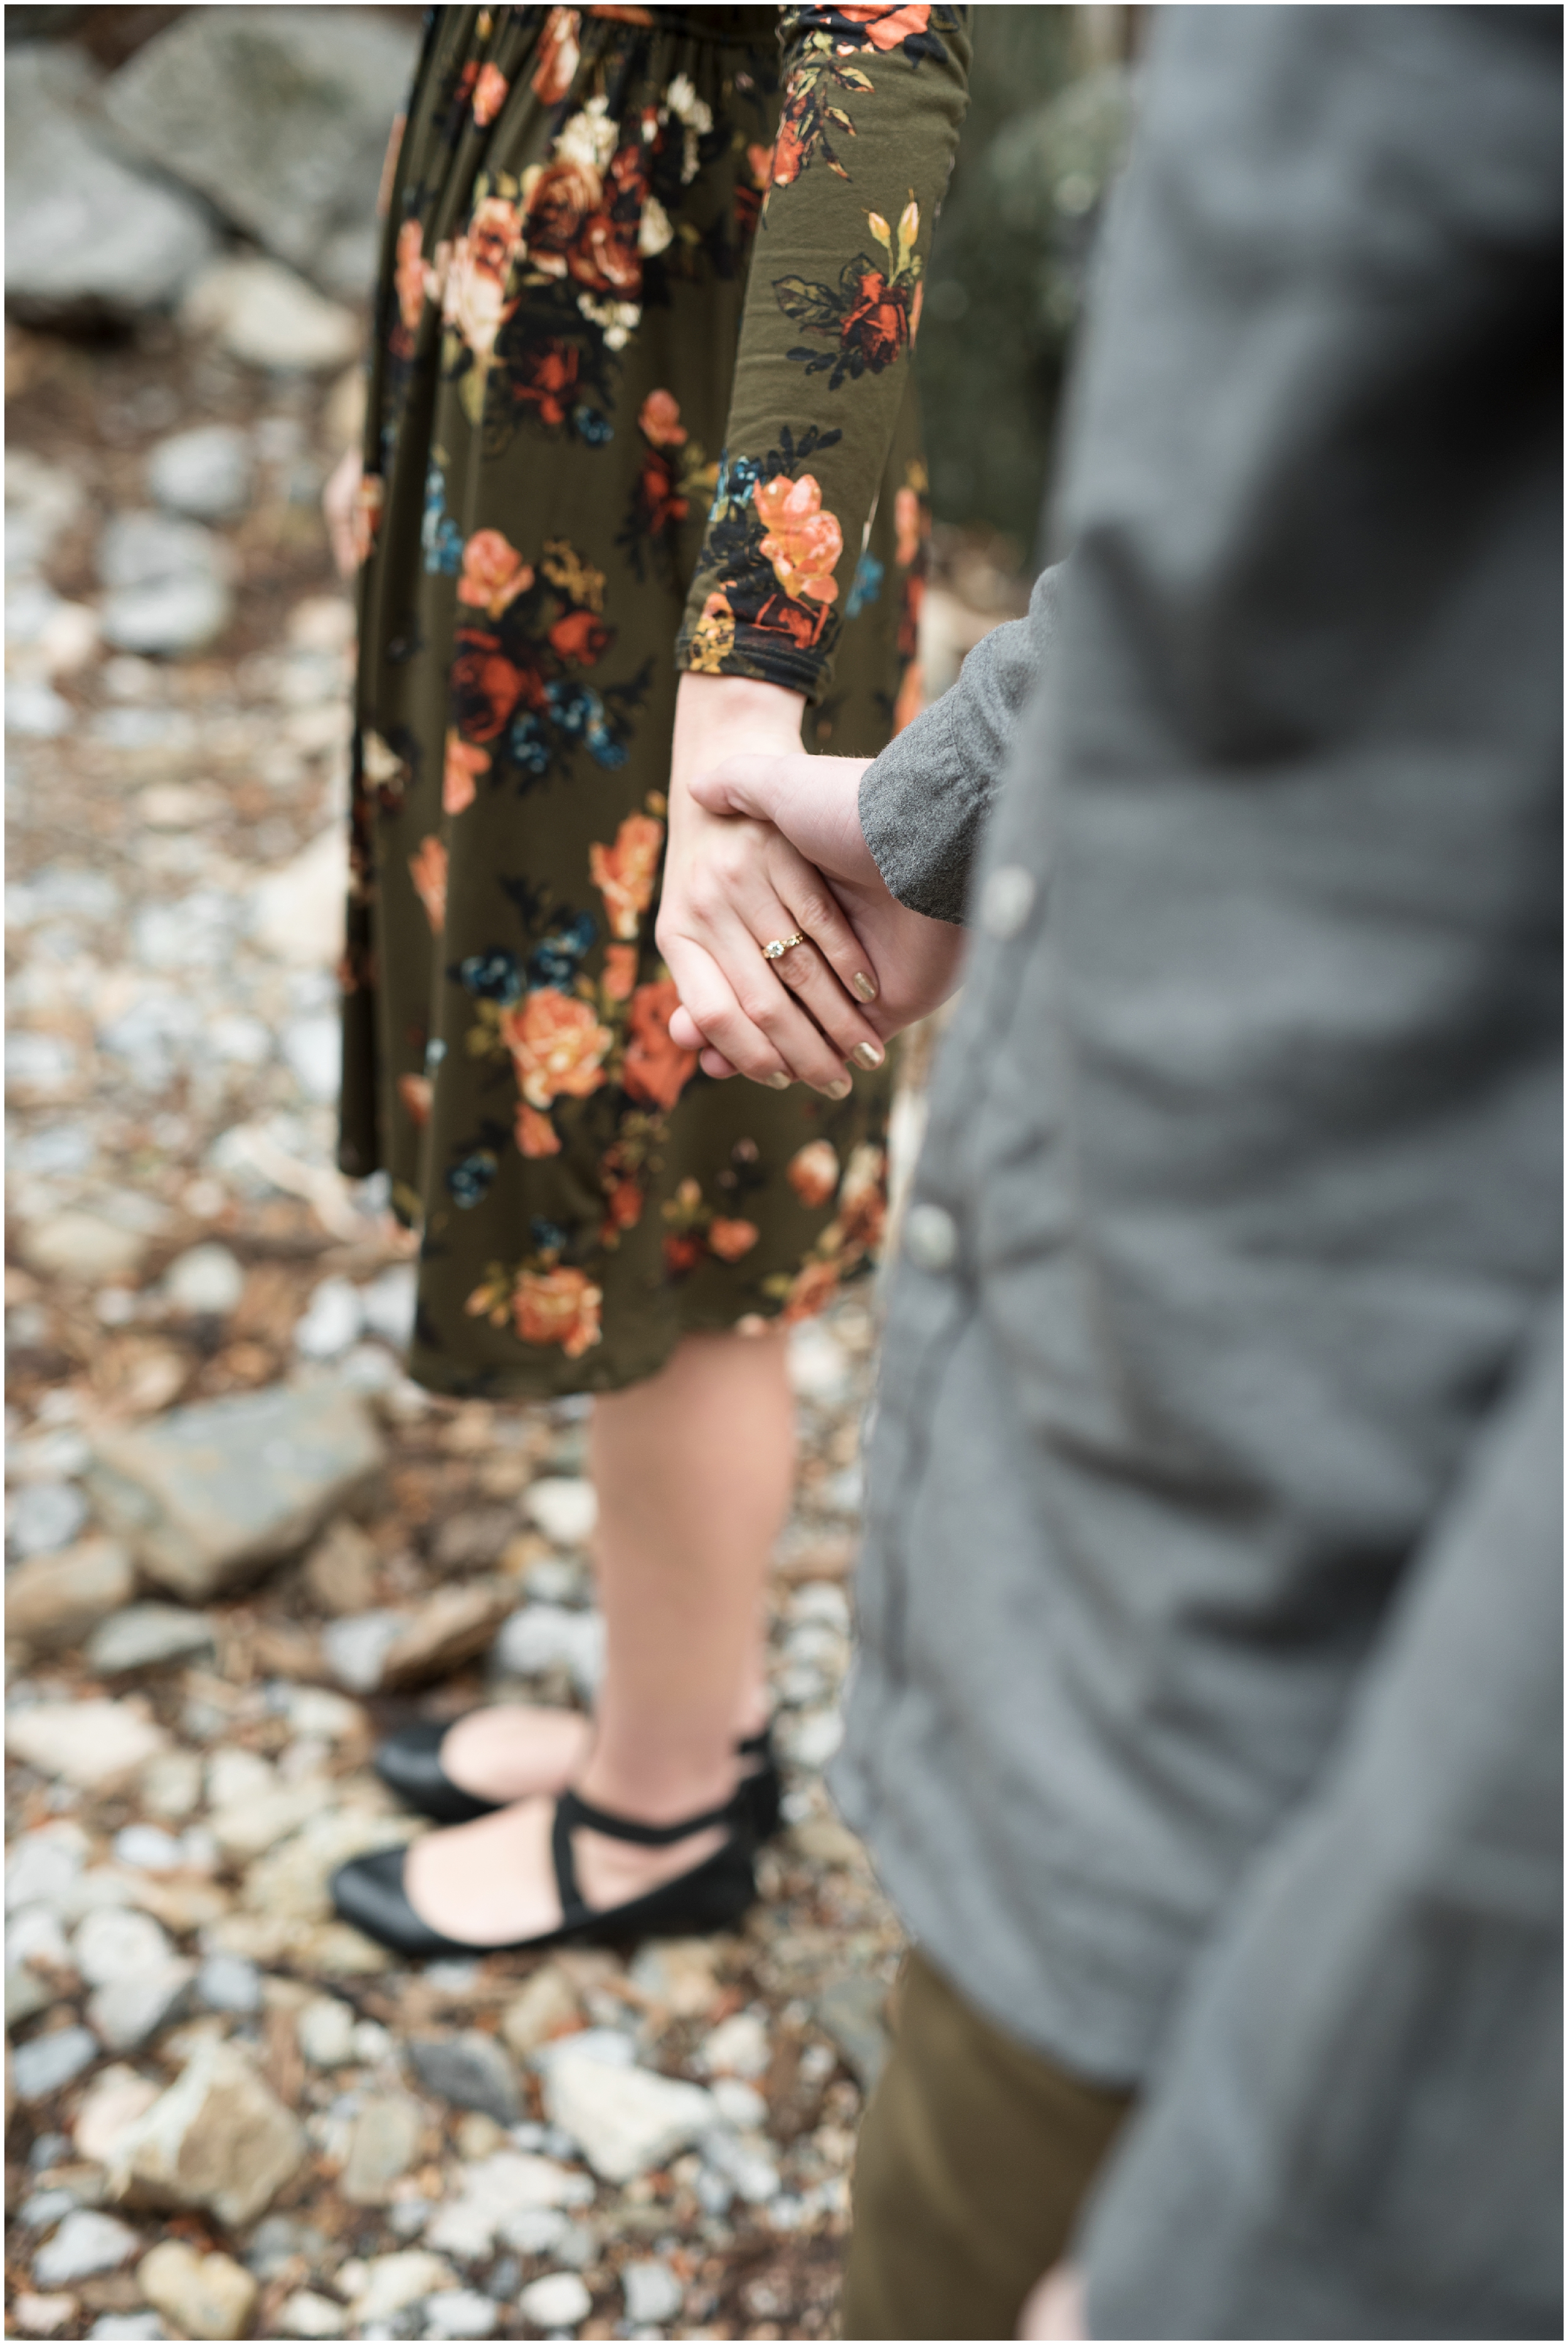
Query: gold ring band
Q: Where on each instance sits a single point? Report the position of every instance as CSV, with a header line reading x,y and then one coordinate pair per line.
x,y
781,945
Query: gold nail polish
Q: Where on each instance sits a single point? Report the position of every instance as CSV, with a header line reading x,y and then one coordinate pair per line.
x,y
839,1090
867,1055
861,987
778,1082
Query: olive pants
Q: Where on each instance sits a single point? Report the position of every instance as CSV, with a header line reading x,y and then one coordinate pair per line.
x,y
974,2158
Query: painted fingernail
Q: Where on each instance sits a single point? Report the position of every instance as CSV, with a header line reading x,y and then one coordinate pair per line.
x,y
863,988
778,1082
839,1090
868,1055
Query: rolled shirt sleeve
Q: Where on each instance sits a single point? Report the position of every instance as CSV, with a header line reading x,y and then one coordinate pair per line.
x,y
873,98
925,801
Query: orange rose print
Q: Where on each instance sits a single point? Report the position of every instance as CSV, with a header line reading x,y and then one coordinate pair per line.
x,y
494,573
417,1093
558,56
490,95
624,873
813,1171
624,1208
560,197
556,1046
535,1134
464,764
366,515
886,27
619,971
811,1291
863,1199
906,522
581,636
803,542
428,868
656,1070
408,274
475,301
731,1239
659,419
558,1307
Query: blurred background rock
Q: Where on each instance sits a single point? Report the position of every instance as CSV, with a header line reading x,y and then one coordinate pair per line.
x,y
240,1543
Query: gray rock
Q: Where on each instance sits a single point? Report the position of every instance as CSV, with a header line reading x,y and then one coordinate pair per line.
x,y
56,1598
743,2169
387,1302
265,316
305,2314
43,1866
168,584
277,2239
136,2325
559,2300
278,117
313,1050
332,1318
43,1517
207,2295
325,2031
383,2144
86,237
653,2293
84,1247
86,1742
471,2071
459,2312
115,1941
626,2121
209,1493
228,1982
543,1636
205,474
219,2138
355,1647
450,1627
85,2244
26,1995
49,2062
565,1507
147,1637
133,2010
36,711
206,1282
853,2012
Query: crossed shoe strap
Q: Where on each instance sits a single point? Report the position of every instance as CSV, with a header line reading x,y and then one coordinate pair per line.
x,y
573,1813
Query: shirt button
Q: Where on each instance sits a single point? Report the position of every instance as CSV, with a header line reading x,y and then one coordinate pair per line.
x,y
1006,901
931,1238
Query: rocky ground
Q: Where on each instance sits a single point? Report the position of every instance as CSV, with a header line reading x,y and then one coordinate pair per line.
x,y
240,1543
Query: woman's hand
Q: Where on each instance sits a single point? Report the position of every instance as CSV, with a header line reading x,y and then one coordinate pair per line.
x,y
732,884
814,802
340,503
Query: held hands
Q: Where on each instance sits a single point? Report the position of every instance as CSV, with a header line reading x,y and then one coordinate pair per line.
x,y
734,1006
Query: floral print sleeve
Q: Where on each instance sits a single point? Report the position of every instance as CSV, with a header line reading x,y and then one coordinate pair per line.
x,y
873,98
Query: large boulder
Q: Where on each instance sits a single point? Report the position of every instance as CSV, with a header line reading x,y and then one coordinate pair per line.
x,y
87,239
280,118
209,1495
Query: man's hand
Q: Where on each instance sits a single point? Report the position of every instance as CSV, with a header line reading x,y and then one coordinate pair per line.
x,y
1055,2306
814,802
732,884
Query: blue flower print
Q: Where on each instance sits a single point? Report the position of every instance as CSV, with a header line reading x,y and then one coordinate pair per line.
x,y
548,1238
554,962
530,745
493,976
572,705
469,1183
604,747
596,428
439,535
865,586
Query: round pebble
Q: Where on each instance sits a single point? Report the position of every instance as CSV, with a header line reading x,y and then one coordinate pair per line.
x,y
559,2300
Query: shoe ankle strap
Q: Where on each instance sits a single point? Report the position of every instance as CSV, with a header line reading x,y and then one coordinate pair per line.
x,y
577,1814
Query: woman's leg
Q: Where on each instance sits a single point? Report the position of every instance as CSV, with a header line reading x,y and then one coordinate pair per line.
x,y
693,1470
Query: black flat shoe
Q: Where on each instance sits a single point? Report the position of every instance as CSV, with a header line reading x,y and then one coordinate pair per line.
x,y
409,1763
368,1890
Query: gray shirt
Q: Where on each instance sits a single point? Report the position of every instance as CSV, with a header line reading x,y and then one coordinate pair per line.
x,y
1202,1727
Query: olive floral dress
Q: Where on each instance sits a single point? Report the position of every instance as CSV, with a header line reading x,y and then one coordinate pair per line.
x,y
641,401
